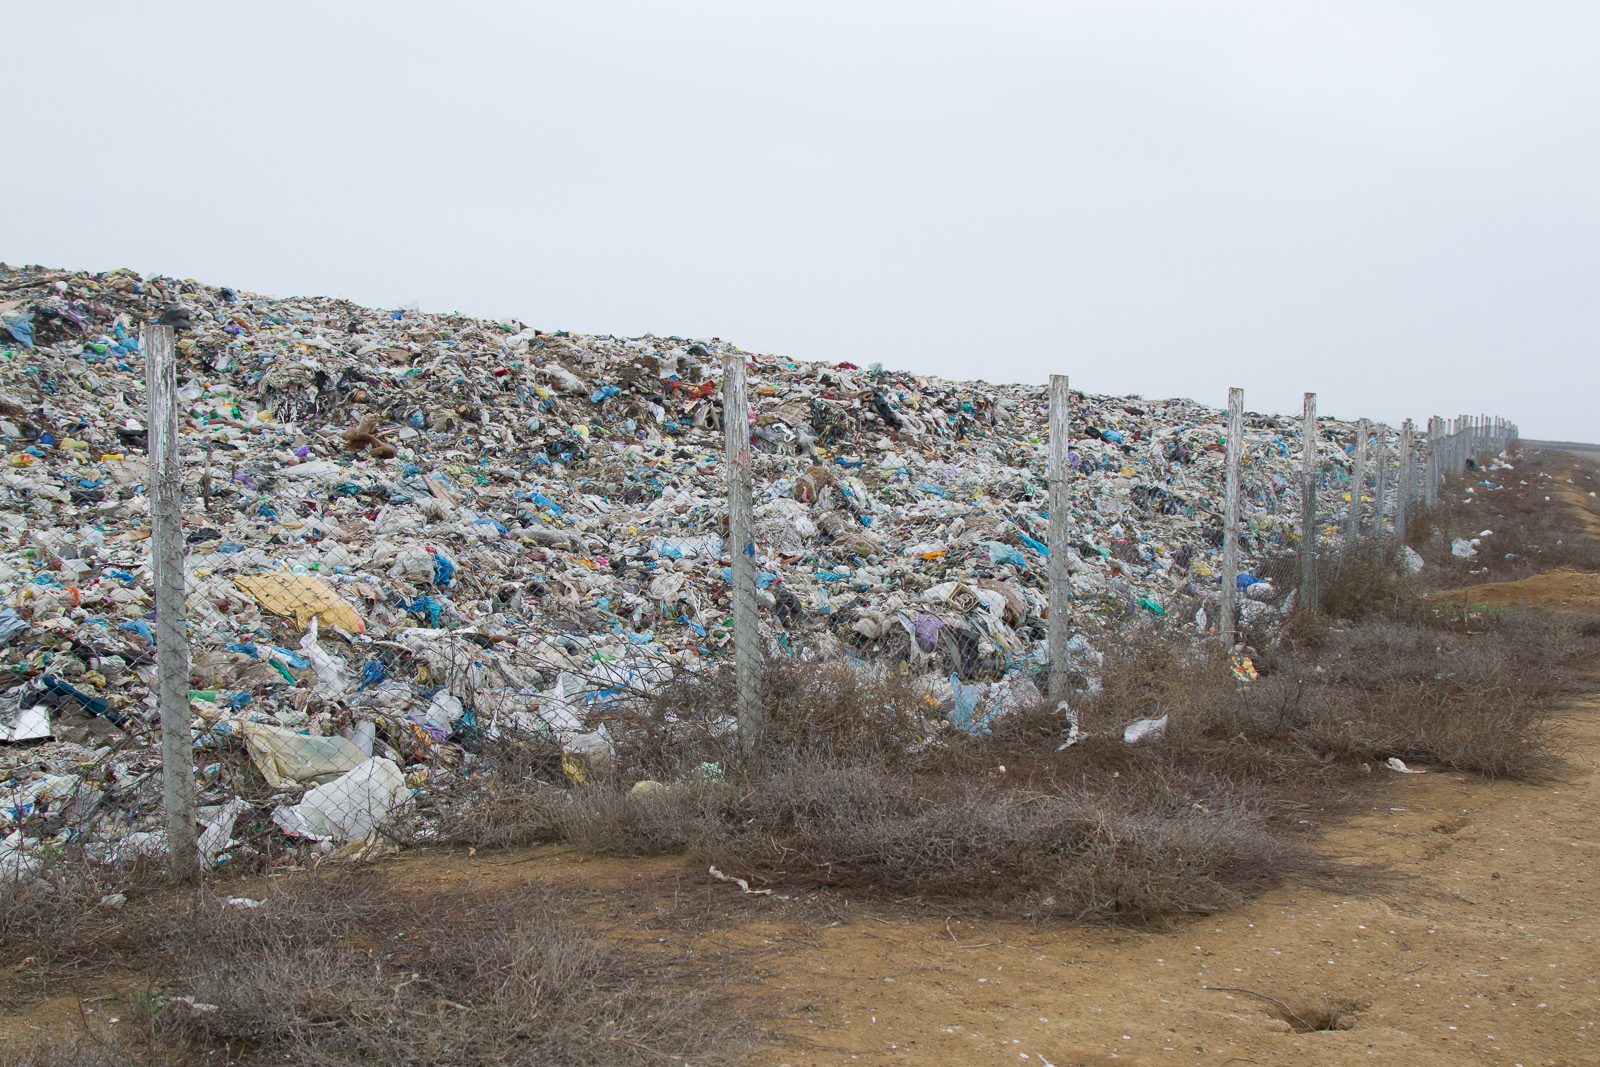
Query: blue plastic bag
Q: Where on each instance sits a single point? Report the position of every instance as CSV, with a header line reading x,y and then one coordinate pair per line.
x,y
544,501
372,673
20,325
443,569
425,605
963,714
137,626
1000,552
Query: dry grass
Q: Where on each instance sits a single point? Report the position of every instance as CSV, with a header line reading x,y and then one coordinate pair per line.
x,y
1421,691
1367,579
350,970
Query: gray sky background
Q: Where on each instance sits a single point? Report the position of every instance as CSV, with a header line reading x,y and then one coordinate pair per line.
x,y
1392,203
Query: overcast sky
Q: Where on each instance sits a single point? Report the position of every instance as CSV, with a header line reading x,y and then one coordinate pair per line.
x,y
1392,203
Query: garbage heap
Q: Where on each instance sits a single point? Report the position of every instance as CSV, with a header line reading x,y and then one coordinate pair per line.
x,y
410,534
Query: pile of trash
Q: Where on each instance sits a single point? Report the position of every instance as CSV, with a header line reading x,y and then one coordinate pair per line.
x,y
410,534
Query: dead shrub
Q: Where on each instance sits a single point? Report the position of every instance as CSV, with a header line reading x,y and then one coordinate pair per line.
x,y
1150,672
1079,852
822,709
1366,578
1530,534
75,1051
53,905
350,970
862,789
1477,702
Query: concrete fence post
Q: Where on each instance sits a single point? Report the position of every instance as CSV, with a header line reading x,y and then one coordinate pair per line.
x,y
172,633
742,552
1230,521
1308,506
1060,575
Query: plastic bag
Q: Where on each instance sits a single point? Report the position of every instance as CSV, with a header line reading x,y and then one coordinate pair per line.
x,y
283,755
1145,730
350,807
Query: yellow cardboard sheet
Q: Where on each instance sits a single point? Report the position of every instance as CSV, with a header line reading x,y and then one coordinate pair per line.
x,y
304,596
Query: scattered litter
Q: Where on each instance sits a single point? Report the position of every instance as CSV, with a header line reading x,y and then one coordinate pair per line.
x,y
740,882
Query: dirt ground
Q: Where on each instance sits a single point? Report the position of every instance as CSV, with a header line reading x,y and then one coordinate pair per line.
x,y
1564,590
1486,955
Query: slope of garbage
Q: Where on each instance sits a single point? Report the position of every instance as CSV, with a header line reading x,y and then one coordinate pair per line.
x,y
410,534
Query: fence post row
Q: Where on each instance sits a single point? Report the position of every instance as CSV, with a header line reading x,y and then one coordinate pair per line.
x,y
172,634
742,551
1060,589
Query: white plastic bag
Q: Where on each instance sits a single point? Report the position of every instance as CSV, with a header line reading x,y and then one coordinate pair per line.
x,y
332,678
283,755
350,807
1145,730
219,832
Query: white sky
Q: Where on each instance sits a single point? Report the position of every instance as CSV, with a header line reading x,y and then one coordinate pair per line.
x,y
1390,202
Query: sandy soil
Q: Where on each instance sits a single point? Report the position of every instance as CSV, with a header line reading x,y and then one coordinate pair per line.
x,y
1564,590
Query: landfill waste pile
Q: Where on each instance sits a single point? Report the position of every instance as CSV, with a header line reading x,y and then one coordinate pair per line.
x,y
410,535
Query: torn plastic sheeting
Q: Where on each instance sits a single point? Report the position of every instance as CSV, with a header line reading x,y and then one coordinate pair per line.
x,y
349,808
285,756
219,832
443,711
1000,552
708,546
20,325
1074,733
320,468
19,858
303,596
11,624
